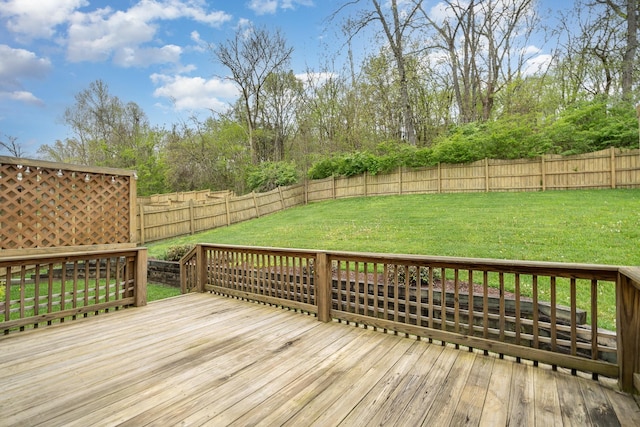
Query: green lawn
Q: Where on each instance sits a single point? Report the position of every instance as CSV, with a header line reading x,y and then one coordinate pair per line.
x,y
600,226
595,227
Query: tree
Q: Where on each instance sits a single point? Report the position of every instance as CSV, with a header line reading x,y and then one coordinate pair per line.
x,y
252,56
481,40
283,95
10,143
396,24
629,11
210,154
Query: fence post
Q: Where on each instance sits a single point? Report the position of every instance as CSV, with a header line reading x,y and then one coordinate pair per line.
x,y
141,224
226,205
281,198
613,167
255,204
400,179
323,286
333,187
140,292
543,172
192,228
486,174
628,325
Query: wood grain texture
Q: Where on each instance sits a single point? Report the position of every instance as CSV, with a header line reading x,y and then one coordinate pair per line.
x,y
201,359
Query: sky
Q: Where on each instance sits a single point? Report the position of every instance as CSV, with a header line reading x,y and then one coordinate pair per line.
x,y
152,52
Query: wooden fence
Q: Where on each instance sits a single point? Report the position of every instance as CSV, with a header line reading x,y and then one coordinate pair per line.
x,y
461,301
182,213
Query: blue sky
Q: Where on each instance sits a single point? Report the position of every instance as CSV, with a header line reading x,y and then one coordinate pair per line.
x,y
151,52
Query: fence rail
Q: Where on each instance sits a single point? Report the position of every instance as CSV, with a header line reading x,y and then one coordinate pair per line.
x,y
188,213
505,307
41,289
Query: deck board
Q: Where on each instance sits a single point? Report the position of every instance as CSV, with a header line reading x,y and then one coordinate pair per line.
x,y
201,359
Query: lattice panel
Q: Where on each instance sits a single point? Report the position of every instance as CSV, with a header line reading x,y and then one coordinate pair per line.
x,y
41,207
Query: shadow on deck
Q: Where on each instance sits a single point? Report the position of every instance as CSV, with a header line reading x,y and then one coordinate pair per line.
x,y
204,359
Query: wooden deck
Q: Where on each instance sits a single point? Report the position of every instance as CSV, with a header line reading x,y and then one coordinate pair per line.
x,y
201,359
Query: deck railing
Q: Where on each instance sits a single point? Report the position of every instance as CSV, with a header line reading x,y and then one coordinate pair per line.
x,y
545,312
41,289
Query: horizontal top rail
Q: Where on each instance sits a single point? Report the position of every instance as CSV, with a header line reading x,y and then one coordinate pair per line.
x,y
63,256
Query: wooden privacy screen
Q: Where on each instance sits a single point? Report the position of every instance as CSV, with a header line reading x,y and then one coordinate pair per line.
x,y
47,205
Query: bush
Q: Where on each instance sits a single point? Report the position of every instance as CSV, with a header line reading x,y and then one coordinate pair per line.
x,y
175,253
323,169
270,175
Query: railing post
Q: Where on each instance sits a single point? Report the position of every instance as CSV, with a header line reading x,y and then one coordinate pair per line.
x,y
628,328
140,292
201,266
323,286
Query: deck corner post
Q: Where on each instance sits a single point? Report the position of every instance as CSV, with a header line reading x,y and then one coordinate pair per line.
x,y
628,325
201,263
140,295
323,277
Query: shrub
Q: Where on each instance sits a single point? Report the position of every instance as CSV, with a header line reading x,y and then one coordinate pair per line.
x,y
323,169
175,253
270,175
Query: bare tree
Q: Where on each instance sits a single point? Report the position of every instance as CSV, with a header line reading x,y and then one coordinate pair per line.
x,y
629,11
396,24
485,42
252,56
12,146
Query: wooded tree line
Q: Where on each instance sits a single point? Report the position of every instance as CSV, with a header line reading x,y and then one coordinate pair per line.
x,y
454,82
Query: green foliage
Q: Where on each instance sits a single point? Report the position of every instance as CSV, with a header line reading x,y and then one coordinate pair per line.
x,y
387,157
323,168
594,125
270,175
176,252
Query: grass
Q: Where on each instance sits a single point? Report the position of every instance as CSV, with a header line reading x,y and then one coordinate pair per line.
x,y
589,226
600,226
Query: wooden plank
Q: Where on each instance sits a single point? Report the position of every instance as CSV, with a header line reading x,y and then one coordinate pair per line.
x,y
444,406
240,363
627,409
278,407
386,400
547,403
471,403
572,405
211,360
496,403
601,412
352,385
212,394
521,397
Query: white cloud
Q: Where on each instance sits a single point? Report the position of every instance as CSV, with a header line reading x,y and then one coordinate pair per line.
x,y
16,66
128,36
291,4
263,7
315,78
38,18
270,7
142,57
19,64
22,96
537,64
194,93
